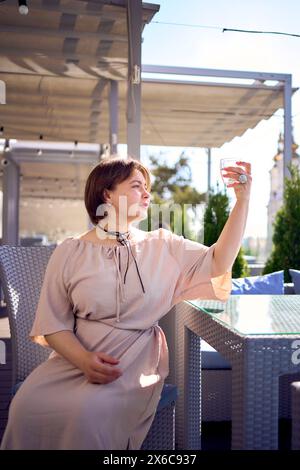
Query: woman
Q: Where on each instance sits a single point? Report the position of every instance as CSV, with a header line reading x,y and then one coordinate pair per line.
x,y
102,297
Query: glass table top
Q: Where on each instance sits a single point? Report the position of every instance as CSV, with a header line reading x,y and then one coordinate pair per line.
x,y
255,314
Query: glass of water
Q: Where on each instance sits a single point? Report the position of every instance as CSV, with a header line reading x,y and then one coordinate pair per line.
x,y
224,163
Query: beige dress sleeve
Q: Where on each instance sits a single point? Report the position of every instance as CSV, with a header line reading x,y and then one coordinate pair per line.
x,y
195,265
54,311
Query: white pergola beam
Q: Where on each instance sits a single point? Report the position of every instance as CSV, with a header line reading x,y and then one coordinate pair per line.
x,y
214,73
134,23
2,92
10,208
113,116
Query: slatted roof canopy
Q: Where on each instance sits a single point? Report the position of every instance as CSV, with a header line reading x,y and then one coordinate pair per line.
x,y
189,114
199,114
57,61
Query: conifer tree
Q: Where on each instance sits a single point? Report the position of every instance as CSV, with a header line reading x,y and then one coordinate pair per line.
x,y
215,217
286,237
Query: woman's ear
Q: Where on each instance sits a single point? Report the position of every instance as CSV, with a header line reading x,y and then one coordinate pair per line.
x,y
106,196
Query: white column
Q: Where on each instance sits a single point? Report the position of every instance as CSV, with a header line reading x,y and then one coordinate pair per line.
x,y
11,196
134,23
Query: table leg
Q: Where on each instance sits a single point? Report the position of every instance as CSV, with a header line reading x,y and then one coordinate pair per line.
x,y
193,390
188,380
255,397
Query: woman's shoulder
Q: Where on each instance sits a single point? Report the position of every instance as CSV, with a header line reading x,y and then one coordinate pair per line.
x,y
62,247
157,234
89,239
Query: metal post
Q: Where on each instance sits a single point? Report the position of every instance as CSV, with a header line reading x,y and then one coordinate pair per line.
x,y
165,69
113,117
134,24
208,173
2,92
11,193
287,153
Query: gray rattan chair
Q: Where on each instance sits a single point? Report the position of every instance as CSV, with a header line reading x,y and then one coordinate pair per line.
x,y
296,415
22,271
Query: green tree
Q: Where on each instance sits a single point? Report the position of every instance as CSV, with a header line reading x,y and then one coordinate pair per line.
x,y
215,217
172,192
286,247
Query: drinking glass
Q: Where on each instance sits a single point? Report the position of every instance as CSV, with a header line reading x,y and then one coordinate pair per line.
x,y
224,163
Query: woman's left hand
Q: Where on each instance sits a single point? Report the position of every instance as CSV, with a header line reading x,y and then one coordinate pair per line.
x,y
242,190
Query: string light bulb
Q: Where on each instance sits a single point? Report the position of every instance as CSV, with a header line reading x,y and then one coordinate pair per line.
x,y
23,8
6,146
40,152
72,153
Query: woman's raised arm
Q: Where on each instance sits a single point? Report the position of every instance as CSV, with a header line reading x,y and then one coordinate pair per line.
x,y
230,239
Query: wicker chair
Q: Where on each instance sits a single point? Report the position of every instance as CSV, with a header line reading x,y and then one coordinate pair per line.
x,y
296,415
22,271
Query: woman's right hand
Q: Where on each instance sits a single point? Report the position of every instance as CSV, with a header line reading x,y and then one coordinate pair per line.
x,y
96,368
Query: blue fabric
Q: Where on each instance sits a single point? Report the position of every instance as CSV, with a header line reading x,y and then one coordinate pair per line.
x,y
16,387
169,393
289,288
296,280
272,283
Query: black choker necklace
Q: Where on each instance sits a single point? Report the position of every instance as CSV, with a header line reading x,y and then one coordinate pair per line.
x,y
122,237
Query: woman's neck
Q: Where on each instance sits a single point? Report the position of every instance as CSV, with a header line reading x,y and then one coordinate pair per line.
x,y
113,226
106,229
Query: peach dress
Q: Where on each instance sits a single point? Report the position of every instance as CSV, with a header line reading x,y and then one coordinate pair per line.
x,y
85,290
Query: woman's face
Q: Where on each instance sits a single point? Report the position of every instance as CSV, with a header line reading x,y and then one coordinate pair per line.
x,y
130,197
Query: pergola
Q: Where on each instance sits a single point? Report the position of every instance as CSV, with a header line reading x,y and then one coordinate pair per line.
x,y
72,70
59,64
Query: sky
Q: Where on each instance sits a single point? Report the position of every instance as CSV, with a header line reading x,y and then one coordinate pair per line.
x,y
207,47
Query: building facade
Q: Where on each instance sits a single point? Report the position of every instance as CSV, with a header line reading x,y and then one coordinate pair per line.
x,y
276,189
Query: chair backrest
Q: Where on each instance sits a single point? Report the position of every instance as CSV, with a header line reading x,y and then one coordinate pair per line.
x,y
22,272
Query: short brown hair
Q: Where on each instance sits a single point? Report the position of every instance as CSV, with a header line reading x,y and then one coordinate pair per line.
x,y
106,175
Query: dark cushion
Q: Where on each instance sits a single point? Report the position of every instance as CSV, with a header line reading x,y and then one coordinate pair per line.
x,y
289,288
168,395
296,279
16,387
